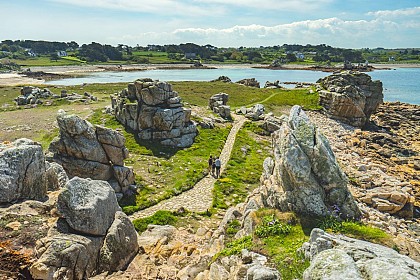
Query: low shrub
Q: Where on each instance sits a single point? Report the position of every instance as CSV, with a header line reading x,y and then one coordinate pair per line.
x,y
272,227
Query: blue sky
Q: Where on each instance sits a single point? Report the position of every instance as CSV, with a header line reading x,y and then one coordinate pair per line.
x,y
223,23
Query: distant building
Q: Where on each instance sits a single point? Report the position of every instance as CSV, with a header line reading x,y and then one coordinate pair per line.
x,y
300,56
61,53
31,53
391,58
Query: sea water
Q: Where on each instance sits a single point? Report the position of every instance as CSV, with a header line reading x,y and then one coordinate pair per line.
x,y
401,84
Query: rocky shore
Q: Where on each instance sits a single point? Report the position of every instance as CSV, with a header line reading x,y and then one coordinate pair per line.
x,y
382,164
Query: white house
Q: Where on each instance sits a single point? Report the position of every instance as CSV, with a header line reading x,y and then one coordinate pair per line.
x,y
61,53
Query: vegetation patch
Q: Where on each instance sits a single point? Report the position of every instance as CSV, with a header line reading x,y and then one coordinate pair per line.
x,y
235,247
161,217
278,236
243,170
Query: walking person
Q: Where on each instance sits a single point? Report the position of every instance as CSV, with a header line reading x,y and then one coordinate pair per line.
x,y
218,164
210,168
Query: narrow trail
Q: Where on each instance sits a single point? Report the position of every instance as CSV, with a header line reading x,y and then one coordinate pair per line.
x,y
199,198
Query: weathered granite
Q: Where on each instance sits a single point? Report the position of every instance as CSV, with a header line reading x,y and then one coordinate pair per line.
x,y
154,111
350,96
22,171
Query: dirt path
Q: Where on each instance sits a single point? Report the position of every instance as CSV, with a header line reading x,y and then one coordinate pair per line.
x,y
199,198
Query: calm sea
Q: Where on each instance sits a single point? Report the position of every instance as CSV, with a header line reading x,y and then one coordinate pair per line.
x,y
401,84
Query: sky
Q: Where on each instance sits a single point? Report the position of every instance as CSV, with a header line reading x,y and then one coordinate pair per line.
x,y
222,23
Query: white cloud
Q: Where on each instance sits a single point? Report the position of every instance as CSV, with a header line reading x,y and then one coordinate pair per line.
x,y
332,31
396,13
310,31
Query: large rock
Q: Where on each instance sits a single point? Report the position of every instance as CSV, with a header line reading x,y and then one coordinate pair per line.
x,y
120,244
154,111
340,257
218,104
252,82
65,255
22,171
91,151
92,237
306,177
255,112
88,205
332,264
350,97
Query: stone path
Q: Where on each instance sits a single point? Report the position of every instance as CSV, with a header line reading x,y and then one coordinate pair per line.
x,y
199,198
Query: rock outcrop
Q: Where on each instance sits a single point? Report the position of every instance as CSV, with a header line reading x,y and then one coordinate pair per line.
x,y
33,95
306,177
154,111
218,104
252,82
255,112
91,236
350,97
272,123
340,257
275,84
22,171
224,79
381,184
89,151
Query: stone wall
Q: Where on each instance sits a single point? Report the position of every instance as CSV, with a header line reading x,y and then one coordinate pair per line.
x,y
154,111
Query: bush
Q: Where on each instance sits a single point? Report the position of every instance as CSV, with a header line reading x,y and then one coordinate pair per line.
x,y
272,227
233,227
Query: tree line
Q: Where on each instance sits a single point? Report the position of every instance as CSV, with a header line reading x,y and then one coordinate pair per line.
x,y
286,53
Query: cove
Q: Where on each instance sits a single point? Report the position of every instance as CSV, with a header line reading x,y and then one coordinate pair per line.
x,y
399,84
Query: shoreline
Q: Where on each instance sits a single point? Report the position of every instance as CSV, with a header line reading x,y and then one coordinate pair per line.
x,y
52,72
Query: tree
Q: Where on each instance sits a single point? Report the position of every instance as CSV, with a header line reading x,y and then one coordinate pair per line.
x,y
54,56
291,57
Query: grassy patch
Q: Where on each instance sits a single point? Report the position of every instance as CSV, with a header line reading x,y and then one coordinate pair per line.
x,y
243,171
235,247
356,230
278,236
281,234
198,93
46,138
159,218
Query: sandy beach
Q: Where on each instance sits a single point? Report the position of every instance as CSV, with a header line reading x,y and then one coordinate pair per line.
x,y
14,79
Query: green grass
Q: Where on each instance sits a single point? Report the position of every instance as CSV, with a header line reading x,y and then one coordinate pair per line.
x,y
165,172
356,230
161,217
198,93
43,61
243,171
279,246
72,59
235,247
